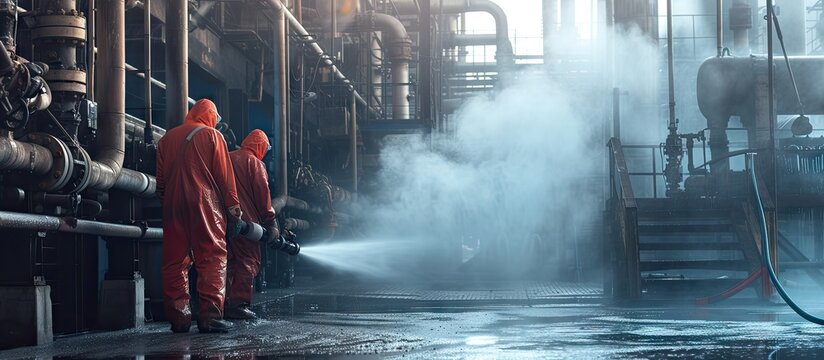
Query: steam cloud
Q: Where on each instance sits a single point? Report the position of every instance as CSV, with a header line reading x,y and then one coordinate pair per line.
x,y
518,185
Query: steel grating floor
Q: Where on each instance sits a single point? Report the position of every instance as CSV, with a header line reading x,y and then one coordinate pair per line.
x,y
440,293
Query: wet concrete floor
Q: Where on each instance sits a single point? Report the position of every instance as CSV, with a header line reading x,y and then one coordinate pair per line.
x,y
324,324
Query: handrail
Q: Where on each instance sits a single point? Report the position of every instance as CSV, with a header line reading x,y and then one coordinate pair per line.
x,y
620,173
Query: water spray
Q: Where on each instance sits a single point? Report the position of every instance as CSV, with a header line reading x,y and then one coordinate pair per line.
x,y
285,242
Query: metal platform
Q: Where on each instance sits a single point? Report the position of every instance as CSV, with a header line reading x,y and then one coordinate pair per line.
x,y
370,295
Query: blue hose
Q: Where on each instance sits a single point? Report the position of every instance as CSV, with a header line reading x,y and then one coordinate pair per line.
x,y
766,251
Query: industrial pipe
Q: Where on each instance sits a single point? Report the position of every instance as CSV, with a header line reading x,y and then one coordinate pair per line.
x,y
353,143
154,81
376,59
90,49
177,62
111,137
18,155
199,16
504,53
399,53
21,221
281,202
719,27
147,69
283,102
296,224
304,35
470,40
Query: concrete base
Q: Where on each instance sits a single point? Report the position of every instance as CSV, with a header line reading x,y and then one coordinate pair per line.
x,y
25,316
121,305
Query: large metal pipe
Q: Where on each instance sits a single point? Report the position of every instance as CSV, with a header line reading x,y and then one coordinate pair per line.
x,y
398,52
21,221
91,24
283,113
147,69
504,53
376,59
111,138
177,62
471,40
18,155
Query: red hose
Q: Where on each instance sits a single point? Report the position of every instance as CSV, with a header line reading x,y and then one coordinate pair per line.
x,y
726,294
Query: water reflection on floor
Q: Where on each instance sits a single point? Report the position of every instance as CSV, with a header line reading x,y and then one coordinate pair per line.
x,y
330,327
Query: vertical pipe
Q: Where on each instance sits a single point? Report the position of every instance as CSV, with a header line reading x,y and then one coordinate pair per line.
x,y
719,27
353,141
376,54
424,98
112,110
283,81
767,287
670,71
334,27
177,62
616,113
302,84
148,134
90,46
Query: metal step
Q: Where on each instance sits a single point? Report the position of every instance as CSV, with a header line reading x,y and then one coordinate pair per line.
x,y
687,287
666,229
686,246
660,265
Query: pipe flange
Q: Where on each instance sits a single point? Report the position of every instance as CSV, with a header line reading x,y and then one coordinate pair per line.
x,y
81,173
62,161
65,27
77,76
61,80
399,50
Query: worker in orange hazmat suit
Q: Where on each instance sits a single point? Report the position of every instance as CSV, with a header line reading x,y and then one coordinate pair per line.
x,y
255,199
197,186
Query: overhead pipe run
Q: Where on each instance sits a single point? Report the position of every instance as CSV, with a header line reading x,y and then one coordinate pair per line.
x,y
311,41
504,53
154,81
33,222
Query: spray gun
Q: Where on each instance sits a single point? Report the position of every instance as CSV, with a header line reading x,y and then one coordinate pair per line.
x,y
285,242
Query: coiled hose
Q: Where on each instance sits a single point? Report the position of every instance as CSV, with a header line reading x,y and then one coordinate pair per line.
x,y
766,251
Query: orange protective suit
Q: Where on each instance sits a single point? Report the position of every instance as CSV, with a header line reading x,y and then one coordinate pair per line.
x,y
256,202
197,185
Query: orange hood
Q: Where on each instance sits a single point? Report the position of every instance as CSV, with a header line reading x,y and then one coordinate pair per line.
x,y
204,112
257,143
